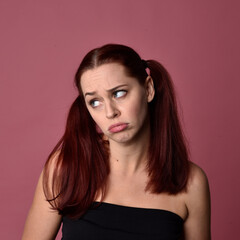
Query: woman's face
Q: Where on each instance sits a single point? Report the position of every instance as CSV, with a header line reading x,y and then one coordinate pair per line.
x,y
117,102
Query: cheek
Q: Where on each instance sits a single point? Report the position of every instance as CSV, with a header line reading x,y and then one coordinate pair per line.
x,y
100,121
138,108
95,117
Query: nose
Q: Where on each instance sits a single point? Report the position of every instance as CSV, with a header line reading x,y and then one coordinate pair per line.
x,y
111,110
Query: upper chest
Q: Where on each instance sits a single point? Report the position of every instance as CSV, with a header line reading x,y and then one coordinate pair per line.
x,y
131,192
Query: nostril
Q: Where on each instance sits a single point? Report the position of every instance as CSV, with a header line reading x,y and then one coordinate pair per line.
x,y
112,114
111,110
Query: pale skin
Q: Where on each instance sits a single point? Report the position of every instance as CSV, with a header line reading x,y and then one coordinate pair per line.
x,y
112,97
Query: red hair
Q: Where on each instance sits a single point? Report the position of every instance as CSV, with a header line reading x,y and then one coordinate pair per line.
x,y
82,167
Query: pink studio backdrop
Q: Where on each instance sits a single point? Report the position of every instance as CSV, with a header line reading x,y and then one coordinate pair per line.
x,y
41,45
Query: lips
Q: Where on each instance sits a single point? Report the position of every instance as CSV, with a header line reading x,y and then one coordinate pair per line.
x,y
117,127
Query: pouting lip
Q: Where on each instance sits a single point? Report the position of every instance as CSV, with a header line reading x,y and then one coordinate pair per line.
x,y
116,125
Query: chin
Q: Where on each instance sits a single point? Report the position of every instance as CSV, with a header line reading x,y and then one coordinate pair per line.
x,y
119,137
124,137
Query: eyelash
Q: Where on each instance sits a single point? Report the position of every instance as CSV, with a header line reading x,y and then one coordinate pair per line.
x,y
91,103
114,94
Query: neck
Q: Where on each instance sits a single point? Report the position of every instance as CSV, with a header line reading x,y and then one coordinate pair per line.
x,y
131,157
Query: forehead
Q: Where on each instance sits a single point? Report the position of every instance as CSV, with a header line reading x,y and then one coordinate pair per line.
x,y
105,77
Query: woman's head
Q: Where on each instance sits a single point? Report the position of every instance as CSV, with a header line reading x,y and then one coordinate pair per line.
x,y
117,102
113,83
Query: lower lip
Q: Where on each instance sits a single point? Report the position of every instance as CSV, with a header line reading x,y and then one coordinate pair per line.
x,y
118,128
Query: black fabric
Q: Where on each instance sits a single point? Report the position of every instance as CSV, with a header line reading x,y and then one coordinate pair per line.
x,y
110,221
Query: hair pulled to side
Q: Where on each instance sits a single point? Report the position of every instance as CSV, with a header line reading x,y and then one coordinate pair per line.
x,y
168,152
81,168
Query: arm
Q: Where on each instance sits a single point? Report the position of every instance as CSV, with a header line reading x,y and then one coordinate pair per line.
x,y
197,224
42,223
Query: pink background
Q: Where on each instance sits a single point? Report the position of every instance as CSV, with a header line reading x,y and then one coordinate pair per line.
x,y
41,45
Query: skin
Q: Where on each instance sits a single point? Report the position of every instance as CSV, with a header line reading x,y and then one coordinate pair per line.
x,y
112,97
42,223
126,103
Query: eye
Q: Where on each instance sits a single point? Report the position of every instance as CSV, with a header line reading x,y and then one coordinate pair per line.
x,y
119,93
94,103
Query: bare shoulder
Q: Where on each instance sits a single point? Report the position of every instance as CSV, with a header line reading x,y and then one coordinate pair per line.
x,y
42,222
198,192
197,200
197,179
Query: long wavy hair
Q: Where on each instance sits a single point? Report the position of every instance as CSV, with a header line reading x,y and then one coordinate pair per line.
x,y
81,164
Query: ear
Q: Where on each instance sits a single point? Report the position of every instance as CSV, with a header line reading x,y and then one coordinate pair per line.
x,y
149,86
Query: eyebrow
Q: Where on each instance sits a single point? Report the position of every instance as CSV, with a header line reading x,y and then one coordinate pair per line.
x,y
109,90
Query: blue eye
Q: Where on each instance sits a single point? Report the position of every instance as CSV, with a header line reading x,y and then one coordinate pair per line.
x,y
120,93
94,103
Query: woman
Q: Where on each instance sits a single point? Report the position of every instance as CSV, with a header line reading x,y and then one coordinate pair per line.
x,y
121,170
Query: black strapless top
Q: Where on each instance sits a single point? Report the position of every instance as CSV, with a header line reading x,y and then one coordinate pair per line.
x,y
111,221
